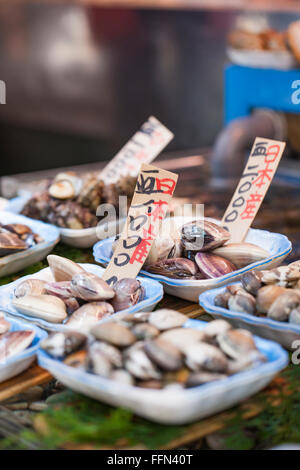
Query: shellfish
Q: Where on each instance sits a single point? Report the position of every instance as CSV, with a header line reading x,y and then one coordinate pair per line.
x,y
165,319
89,287
30,287
10,243
62,343
14,342
128,292
205,356
212,266
47,307
88,315
114,333
242,254
164,354
203,235
177,268
63,269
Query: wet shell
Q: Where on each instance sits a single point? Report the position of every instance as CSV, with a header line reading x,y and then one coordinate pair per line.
x,y
205,356
144,331
128,292
14,342
242,302
236,343
251,281
111,352
30,287
60,289
65,186
212,266
293,318
221,300
165,355
178,268
161,249
138,363
60,344
88,315
11,243
215,328
63,269
98,363
89,287
122,376
114,333
242,254
283,306
266,296
202,235
47,307
182,337
165,319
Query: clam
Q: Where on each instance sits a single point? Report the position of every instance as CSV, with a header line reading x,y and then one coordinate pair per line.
x,y
282,275
144,331
98,363
212,266
60,289
122,376
202,377
138,363
137,317
242,254
293,318
182,337
14,342
114,333
177,268
202,235
236,343
65,186
4,324
155,384
111,352
164,354
19,229
221,300
165,319
205,356
242,302
89,287
162,248
11,243
47,307
284,305
266,295
76,359
252,282
88,315
215,328
250,360
30,287
128,292
62,343
63,269
71,304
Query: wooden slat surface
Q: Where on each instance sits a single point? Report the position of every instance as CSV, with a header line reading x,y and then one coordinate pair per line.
x,y
35,375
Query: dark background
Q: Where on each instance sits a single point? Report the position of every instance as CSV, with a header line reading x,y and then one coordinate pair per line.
x,y
81,80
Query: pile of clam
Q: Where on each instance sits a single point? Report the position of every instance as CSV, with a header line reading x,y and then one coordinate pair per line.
x,y
76,297
200,250
274,294
71,201
17,237
12,342
153,350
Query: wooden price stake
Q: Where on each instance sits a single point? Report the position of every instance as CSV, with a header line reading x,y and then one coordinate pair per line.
x,y
143,147
257,176
153,193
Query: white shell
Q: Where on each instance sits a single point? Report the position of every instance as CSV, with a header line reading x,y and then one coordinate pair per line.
x,y
47,307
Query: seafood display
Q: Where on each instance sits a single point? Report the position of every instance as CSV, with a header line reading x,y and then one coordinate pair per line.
x,y
12,342
15,238
200,250
70,201
274,294
153,350
76,297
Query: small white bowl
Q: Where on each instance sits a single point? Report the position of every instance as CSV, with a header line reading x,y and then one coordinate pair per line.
x,y
276,244
20,362
153,294
173,406
81,238
281,332
11,264
283,60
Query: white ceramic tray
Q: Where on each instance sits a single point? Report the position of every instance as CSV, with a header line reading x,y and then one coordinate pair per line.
x,y
82,238
153,294
173,406
278,246
282,332
17,364
283,60
16,262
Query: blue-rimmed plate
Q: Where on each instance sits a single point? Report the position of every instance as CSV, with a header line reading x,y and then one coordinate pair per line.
x,y
173,406
20,362
153,294
276,244
11,264
283,333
